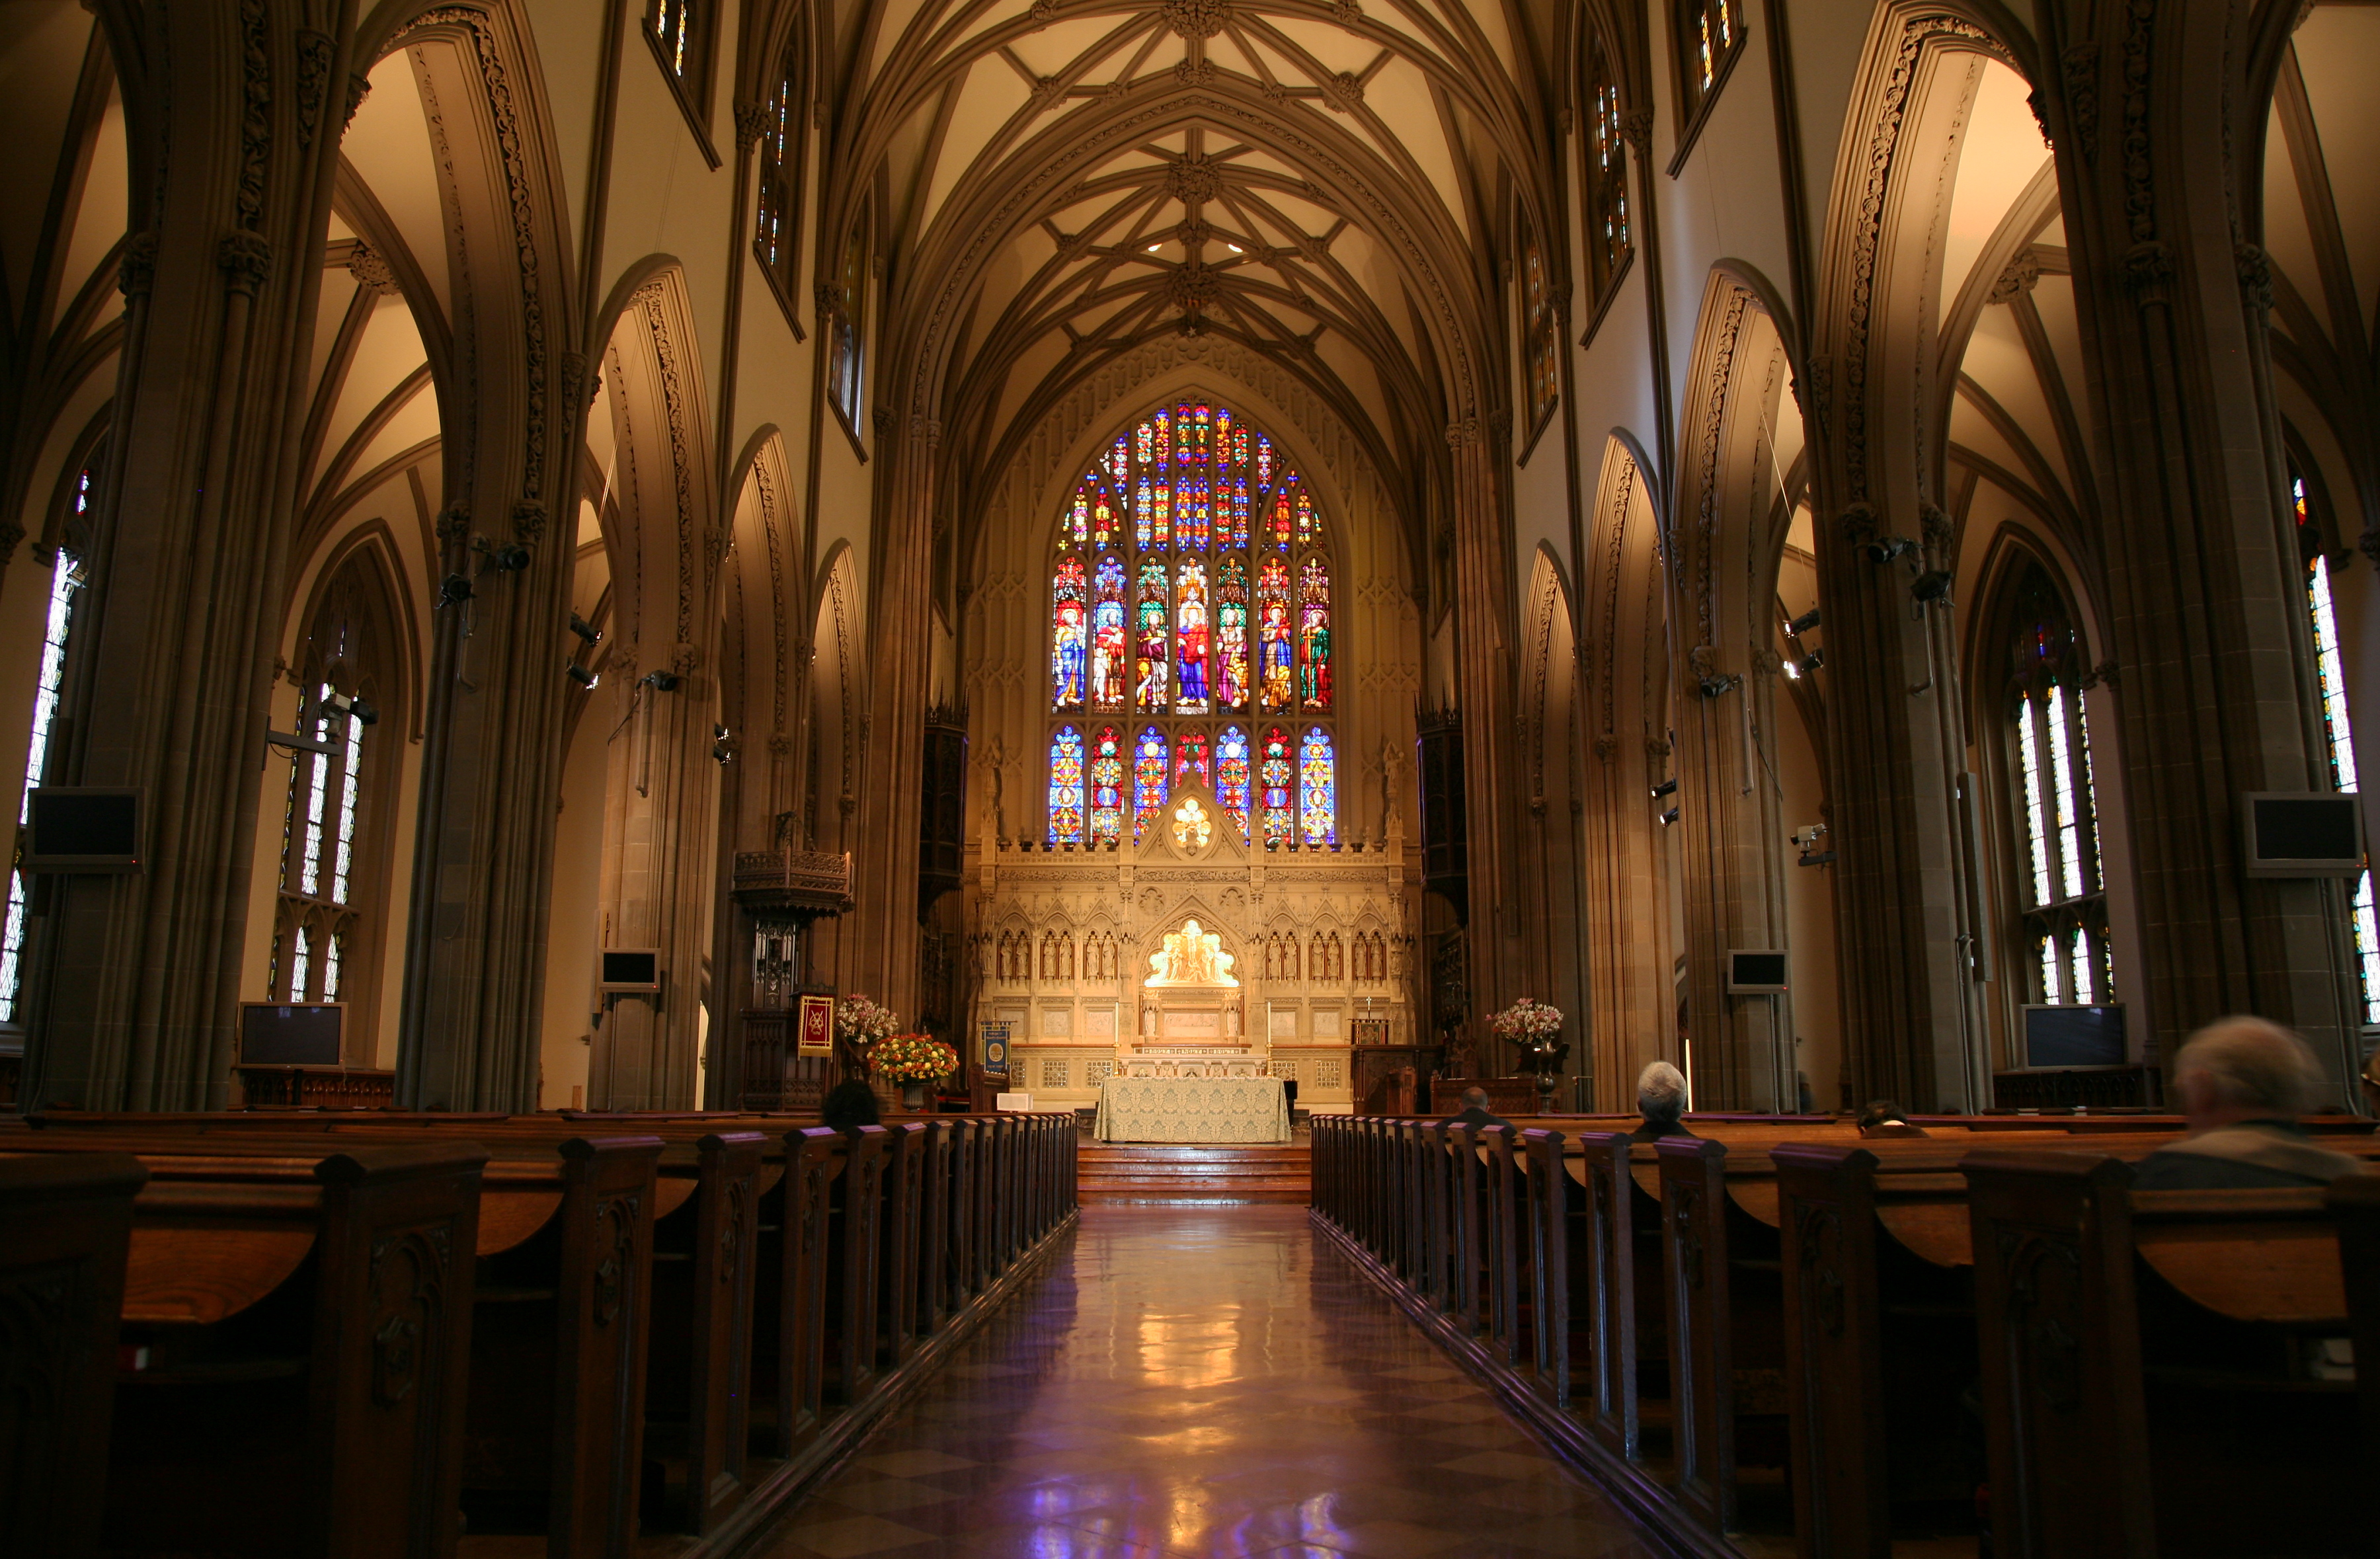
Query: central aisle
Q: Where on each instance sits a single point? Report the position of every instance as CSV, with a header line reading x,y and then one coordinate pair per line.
x,y
1201,1381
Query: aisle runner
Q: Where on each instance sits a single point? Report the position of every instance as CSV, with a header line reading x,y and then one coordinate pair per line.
x,y
1192,1110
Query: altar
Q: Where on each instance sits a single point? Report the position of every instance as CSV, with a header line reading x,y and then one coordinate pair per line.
x,y
1192,1110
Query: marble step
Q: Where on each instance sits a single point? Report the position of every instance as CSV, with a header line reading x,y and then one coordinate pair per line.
x,y
1200,1172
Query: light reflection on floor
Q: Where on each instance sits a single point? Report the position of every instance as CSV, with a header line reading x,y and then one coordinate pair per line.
x,y
1206,1380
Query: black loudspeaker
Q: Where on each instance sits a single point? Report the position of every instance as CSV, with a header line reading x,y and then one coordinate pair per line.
x,y
2320,835
291,1033
81,829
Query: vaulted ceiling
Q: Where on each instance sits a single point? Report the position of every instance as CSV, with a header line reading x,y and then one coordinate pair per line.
x,y
1328,184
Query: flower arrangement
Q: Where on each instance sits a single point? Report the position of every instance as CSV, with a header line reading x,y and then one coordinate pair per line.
x,y
912,1059
858,1020
1526,1021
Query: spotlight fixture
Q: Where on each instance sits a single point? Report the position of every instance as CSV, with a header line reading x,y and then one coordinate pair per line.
x,y
1803,623
454,590
580,675
586,629
1807,664
1712,687
723,746
362,712
1889,548
660,681
1667,787
1932,586
510,558
1668,817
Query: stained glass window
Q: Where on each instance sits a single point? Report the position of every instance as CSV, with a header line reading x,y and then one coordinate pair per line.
x,y
1192,761
1066,636
776,238
1279,775
2066,922
1314,636
1192,635
1106,787
1110,645
1066,786
1708,32
1191,578
1149,780
1540,338
677,29
1607,174
1232,774
2331,671
1317,789
1276,651
1153,652
66,582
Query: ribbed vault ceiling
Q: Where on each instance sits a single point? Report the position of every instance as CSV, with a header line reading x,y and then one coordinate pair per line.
x,y
1059,183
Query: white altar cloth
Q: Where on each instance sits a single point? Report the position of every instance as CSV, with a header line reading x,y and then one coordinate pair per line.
x,y
1192,1110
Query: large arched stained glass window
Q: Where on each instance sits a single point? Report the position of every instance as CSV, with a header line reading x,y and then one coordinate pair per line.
x,y
2065,920
1192,583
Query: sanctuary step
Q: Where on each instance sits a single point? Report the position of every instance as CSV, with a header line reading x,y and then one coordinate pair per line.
x,y
1257,1172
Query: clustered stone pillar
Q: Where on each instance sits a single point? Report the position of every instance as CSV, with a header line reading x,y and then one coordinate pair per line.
x,y
1483,683
135,980
2205,608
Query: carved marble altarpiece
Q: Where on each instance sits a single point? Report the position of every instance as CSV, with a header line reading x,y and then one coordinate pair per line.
x,y
1187,951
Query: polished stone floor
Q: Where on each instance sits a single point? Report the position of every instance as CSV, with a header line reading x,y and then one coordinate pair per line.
x,y
1199,1381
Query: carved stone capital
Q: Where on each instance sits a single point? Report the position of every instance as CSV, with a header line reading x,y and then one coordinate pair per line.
x,y
2255,270
2148,266
1656,748
528,520
1636,129
246,260
370,272
1934,524
684,658
1463,433
136,273
1607,746
2024,274
751,119
454,522
359,89
1858,525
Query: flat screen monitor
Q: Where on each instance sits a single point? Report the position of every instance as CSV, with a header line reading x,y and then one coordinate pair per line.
x,y
2303,835
82,828
291,1033
632,970
1756,973
2074,1036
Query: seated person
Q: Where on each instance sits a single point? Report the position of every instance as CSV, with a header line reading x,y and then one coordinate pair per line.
x,y
1661,1099
1884,1118
2243,1083
849,1104
1474,1111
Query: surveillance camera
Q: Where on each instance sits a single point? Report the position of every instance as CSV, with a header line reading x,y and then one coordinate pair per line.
x,y
586,629
1889,548
1932,586
1803,623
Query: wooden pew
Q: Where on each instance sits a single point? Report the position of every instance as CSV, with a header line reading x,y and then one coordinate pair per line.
x,y
2355,1204
2143,1386
301,1323
66,1224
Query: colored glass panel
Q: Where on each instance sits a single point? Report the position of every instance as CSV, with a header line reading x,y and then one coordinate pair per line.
x,y
1193,632
1277,774
1066,786
1313,634
1106,522
1232,513
1192,520
2330,674
1154,654
1232,774
1111,642
1148,780
1067,635
1080,527
1317,789
1106,787
1231,667
1309,528
1192,760
1279,531
1276,647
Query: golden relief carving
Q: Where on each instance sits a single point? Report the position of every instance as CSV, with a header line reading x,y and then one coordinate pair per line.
x,y
1192,955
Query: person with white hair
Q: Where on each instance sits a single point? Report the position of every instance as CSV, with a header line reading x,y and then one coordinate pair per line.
x,y
2244,1082
1661,1099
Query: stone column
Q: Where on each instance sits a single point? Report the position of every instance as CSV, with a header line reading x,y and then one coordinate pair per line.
x,y
2214,676
134,980
884,861
1483,680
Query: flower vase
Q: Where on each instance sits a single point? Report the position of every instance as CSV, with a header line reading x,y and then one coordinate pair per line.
x,y
913,1096
1544,1093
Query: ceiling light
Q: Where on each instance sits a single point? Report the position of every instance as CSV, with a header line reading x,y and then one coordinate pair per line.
x,y
1236,248
1154,248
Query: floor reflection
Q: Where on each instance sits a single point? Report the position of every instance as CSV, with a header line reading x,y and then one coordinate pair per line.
x,y
1192,1382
